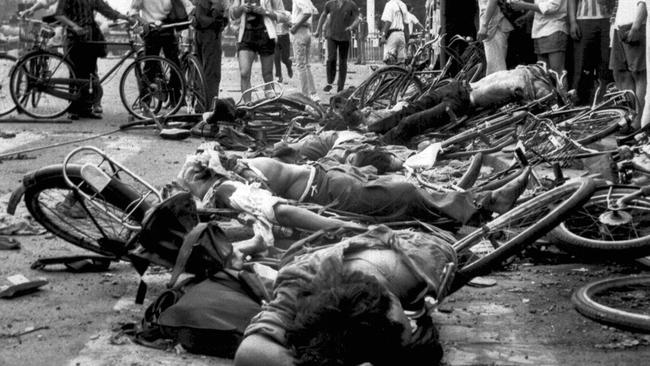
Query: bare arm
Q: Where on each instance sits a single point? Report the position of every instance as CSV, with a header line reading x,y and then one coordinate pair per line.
x,y
321,21
298,217
574,28
489,13
634,35
258,350
299,23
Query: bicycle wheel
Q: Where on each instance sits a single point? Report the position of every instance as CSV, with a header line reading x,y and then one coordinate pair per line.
x,y
152,86
497,240
598,229
72,218
377,90
196,99
635,287
7,105
595,125
286,108
35,82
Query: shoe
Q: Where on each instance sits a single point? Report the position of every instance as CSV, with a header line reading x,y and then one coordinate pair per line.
x,y
280,80
90,115
504,198
327,88
290,73
97,108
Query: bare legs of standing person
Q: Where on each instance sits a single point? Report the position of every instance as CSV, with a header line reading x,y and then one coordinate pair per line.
x,y
246,58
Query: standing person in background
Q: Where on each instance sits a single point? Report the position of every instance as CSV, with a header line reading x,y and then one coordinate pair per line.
x,y
302,13
283,49
79,18
550,31
257,22
493,31
156,12
344,18
394,18
210,19
589,27
627,60
361,35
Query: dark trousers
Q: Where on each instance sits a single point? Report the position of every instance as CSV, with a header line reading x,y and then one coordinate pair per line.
x,y
361,50
283,55
84,64
333,48
208,49
164,40
429,111
591,54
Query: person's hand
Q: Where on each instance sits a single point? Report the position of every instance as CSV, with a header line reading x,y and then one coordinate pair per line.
x,y
633,36
522,20
517,5
481,35
79,31
258,10
574,30
26,13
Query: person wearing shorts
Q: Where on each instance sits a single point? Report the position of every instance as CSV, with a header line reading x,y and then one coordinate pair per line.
x,y
257,35
550,31
627,58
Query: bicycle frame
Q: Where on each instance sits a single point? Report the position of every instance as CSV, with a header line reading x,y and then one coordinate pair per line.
x,y
116,168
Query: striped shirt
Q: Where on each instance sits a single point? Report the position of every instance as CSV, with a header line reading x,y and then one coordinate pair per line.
x,y
595,9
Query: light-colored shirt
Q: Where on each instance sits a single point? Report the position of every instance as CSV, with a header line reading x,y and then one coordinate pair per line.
x,y
594,9
626,11
394,12
300,8
282,28
551,18
498,21
153,11
411,20
274,6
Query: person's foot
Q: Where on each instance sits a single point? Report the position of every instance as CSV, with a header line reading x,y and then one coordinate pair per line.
x,y
89,115
504,198
280,80
327,88
97,108
290,73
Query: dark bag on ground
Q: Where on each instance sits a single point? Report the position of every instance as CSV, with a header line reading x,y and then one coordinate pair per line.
x,y
204,316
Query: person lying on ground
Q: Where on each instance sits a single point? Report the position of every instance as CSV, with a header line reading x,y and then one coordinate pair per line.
x,y
203,175
346,189
344,303
331,148
438,107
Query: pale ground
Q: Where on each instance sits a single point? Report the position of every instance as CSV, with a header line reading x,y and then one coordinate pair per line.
x,y
526,319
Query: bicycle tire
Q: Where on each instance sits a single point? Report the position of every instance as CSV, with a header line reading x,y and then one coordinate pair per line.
x,y
377,90
23,75
583,231
157,90
7,105
597,125
196,96
284,109
46,188
536,217
585,304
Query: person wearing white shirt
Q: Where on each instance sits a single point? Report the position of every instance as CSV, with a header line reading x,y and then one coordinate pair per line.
x,y
550,31
627,58
412,21
394,17
302,12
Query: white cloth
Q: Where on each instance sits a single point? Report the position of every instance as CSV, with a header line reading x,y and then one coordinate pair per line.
x,y
300,8
626,11
393,13
425,159
411,20
553,18
153,11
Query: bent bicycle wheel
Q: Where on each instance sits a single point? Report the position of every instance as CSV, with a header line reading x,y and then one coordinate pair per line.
x,y
7,105
597,228
152,86
635,289
72,218
596,125
196,100
505,235
38,82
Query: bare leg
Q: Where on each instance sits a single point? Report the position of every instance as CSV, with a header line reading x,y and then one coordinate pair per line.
x,y
556,62
245,59
640,82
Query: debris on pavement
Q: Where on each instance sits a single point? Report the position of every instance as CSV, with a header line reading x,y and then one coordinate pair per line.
x,y
7,243
26,331
20,285
16,225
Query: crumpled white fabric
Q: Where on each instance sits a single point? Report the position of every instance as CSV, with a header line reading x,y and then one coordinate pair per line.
x,y
424,159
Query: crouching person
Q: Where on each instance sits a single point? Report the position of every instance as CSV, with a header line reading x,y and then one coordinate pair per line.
x,y
344,303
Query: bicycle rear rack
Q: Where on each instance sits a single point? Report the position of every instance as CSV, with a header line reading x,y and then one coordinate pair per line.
x,y
102,174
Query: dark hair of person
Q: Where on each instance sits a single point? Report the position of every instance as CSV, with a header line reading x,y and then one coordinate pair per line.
x,y
378,158
342,319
